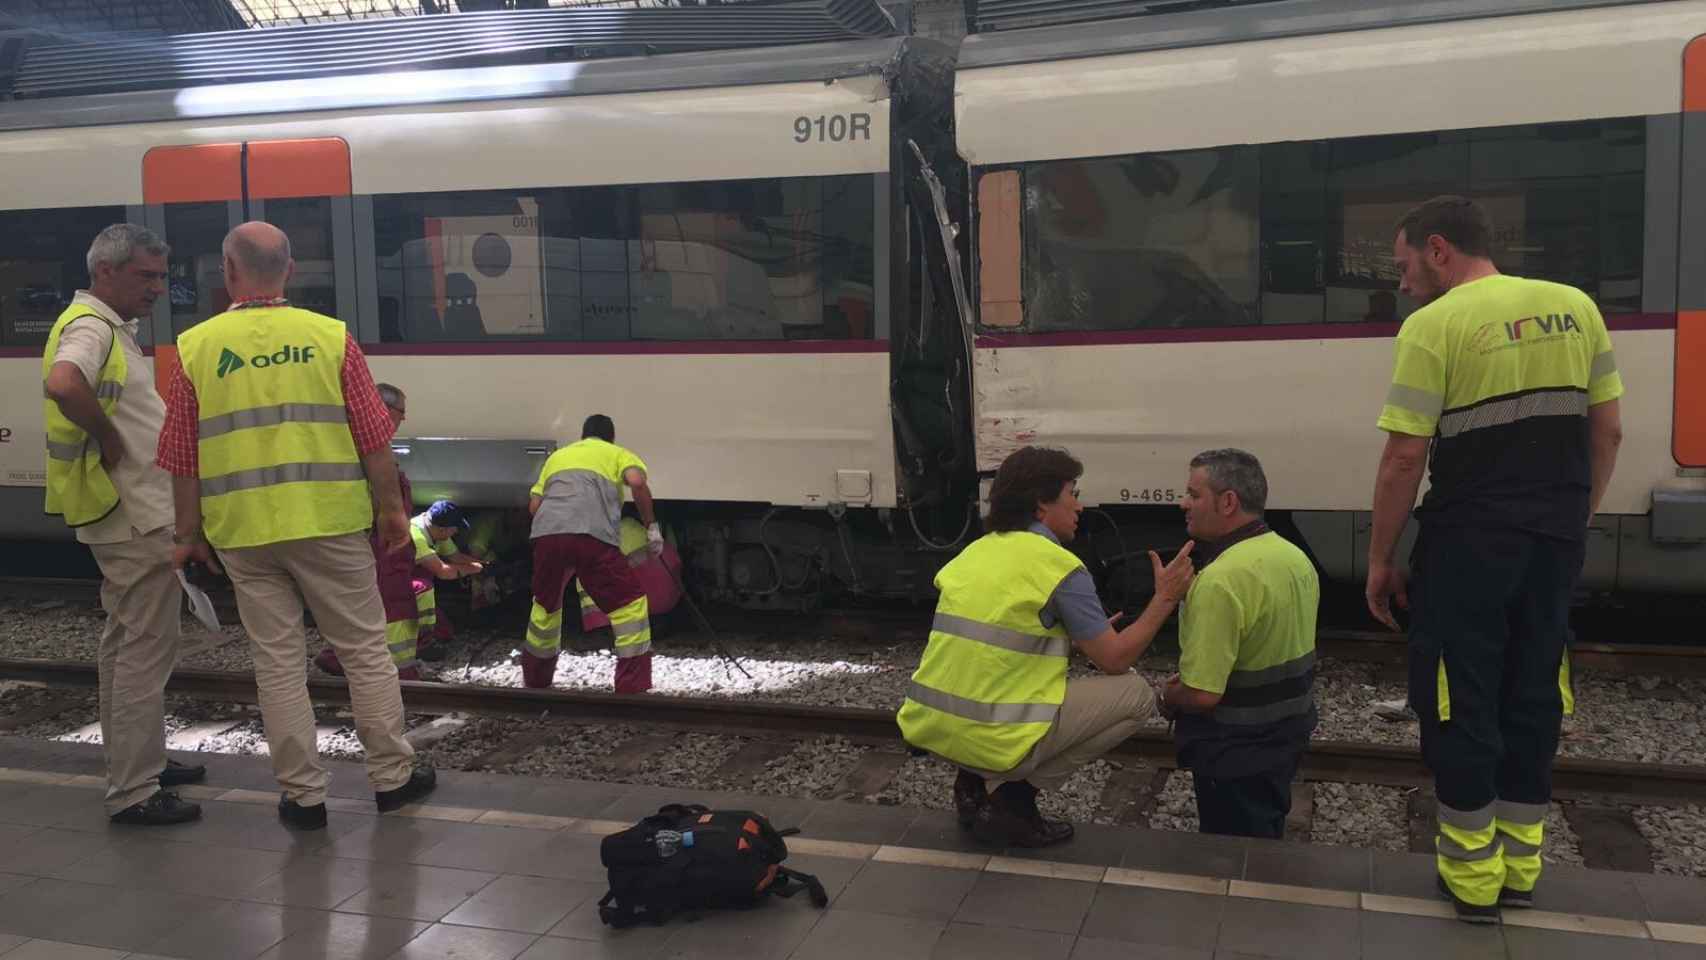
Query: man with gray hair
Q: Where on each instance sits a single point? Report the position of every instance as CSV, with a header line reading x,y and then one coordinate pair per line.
x,y
103,418
1242,698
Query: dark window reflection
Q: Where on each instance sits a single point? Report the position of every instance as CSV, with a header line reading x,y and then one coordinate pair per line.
x,y
1302,232
307,221
1157,240
741,260
196,279
42,255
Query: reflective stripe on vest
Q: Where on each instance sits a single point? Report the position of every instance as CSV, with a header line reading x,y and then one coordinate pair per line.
x,y
277,461
78,487
992,678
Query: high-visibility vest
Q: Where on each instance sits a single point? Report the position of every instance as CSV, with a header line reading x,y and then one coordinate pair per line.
x,y
277,461
78,487
992,678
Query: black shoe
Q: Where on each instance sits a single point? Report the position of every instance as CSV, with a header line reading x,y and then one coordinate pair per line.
x,y
970,795
162,809
177,774
433,654
1469,912
419,785
302,818
1520,899
1010,819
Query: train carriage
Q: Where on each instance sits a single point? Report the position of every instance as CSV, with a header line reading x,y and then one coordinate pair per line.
x,y
689,219
1184,225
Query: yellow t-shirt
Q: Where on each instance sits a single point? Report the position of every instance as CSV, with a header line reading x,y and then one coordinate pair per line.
x,y
1501,372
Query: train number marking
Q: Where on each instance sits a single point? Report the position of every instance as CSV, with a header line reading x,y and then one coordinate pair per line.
x,y
1149,495
833,128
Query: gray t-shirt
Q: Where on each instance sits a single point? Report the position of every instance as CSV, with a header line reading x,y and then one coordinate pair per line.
x,y
1074,602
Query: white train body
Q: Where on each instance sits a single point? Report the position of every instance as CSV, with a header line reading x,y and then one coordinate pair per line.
x,y
736,255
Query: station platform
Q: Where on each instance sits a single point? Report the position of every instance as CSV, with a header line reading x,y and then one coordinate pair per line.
x,y
502,867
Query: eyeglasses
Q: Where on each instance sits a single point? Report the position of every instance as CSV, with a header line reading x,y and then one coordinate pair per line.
x,y
399,411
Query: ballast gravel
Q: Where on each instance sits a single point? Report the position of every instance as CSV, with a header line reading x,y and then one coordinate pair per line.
x,y
1648,719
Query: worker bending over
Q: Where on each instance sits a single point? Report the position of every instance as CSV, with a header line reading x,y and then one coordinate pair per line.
x,y
577,511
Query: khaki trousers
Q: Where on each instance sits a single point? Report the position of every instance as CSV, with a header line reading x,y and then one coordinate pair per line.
x,y
139,646
335,576
1097,715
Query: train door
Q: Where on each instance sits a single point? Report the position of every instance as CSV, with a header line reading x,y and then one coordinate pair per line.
x,y
194,194
1688,419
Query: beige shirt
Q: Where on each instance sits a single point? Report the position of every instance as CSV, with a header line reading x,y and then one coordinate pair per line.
x,y
144,490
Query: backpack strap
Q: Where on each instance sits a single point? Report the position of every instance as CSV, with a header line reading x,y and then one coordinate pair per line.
x,y
622,915
791,881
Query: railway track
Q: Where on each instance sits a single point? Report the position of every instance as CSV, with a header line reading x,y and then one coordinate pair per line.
x,y
1605,780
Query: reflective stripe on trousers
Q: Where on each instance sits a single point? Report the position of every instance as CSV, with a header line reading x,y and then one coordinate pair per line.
x,y
426,608
544,631
1468,855
1522,828
400,638
632,625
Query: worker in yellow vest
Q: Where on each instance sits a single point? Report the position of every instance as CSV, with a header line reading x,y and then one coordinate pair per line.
x,y
274,432
103,418
577,510
991,695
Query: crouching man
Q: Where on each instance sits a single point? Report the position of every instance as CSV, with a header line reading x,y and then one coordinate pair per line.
x,y
991,694
1242,698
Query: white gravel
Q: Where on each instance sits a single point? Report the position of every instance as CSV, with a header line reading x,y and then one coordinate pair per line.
x,y
1360,815
812,769
1176,808
1677,836
1633,718
1560,844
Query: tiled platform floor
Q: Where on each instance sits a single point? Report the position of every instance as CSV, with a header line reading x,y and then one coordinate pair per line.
x,y
507,867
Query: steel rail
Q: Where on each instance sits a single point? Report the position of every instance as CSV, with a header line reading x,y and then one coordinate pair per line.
x,y
1325,760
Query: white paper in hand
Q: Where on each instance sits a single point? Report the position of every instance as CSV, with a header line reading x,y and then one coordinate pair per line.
x,y
200,604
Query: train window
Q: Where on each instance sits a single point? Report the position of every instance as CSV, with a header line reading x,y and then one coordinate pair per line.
x,y
1301,232
728,260
307,221
42,263
1139,242
196,278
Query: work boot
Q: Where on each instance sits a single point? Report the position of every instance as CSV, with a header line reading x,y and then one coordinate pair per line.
x,y
327,661
312,817
1010,819
1469,912
409,673
419,784
970,796
537,672
1040,832
162,809
1520,899
177,774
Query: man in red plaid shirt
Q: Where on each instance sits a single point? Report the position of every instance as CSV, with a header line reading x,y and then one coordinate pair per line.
x,y
278,446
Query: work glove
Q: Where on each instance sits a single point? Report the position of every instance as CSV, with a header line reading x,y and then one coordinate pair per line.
x,y
654,539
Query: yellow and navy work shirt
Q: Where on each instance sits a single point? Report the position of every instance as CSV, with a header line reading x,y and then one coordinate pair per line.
x,y
582,490
1247,632
1500,372
425,545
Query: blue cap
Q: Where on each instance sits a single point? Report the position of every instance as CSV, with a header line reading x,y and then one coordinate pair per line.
x,y
443,513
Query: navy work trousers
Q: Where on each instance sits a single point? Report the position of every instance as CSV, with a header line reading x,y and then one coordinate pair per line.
x,y
1251,806
1487,636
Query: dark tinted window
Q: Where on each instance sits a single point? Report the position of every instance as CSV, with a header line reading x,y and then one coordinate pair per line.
x,y
727,260
42,256
1302,232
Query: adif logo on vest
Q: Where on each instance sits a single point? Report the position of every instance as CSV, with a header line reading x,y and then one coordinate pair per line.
x,y
229,361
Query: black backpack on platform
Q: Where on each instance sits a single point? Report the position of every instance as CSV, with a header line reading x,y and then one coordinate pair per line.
x,y
689,857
